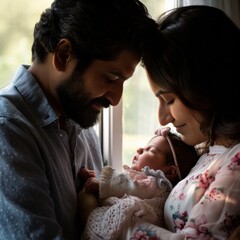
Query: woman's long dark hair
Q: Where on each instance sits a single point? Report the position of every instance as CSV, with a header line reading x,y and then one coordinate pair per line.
x,y
197,57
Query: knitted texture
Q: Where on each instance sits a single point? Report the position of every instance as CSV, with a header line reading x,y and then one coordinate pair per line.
x,y
108,222
145,184
127,197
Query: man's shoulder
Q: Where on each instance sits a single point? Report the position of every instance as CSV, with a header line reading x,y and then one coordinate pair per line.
x,y
10,101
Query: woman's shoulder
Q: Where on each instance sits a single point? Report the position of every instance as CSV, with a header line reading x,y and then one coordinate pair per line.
x,y
233,152
236,147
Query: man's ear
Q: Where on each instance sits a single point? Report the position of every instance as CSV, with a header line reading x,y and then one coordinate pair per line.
x,y
170,172
62,54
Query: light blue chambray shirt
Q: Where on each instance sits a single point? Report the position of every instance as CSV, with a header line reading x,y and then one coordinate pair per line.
x,y
38,164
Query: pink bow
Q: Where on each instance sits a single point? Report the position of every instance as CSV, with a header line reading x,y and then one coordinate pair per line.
x,y
163,131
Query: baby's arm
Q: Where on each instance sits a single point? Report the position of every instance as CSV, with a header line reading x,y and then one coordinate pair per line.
x,y
88,197
88,178
132,182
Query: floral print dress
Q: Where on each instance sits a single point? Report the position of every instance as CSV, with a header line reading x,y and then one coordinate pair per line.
x,y
205,205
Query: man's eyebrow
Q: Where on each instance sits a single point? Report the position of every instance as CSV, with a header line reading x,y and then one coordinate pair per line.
x,y
120,75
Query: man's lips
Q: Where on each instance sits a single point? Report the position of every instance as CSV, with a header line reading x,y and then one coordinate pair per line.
x,y
97,106
100,103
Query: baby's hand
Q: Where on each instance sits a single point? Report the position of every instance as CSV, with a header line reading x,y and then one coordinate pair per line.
x,y
85,173
92,186
89,181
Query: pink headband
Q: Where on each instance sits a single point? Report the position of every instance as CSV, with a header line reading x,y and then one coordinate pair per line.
x,y
164,131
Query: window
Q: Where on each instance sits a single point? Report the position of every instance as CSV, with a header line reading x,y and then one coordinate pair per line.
x,y
132,123
17,20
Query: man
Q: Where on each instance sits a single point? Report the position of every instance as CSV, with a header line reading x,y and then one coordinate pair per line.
x,y
82,53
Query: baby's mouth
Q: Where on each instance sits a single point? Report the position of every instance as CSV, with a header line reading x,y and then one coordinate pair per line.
x,y
135,160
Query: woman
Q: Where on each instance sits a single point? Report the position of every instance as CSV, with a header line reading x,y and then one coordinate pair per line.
x,y
194,71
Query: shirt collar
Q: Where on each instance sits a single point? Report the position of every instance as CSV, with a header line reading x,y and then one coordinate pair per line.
x,y
33,96
217,149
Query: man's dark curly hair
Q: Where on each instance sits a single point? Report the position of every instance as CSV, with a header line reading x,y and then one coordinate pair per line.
x,y
97,29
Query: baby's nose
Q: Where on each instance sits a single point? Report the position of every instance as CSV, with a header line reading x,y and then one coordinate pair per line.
x,y
140,150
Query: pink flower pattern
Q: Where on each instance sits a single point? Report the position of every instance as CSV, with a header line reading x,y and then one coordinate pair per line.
x,y
143,233
235,162
206,204
205,180
182,218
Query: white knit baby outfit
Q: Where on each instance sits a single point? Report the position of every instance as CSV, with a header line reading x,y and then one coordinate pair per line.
x,y
127,197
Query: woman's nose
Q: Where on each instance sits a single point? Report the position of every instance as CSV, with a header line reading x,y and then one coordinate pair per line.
x,y
164,115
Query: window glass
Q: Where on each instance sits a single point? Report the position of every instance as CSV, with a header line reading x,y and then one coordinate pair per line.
x,y
17,20
139,114
139,105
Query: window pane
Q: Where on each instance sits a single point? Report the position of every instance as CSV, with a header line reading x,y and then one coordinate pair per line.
x,y
139,114
140,106
17,20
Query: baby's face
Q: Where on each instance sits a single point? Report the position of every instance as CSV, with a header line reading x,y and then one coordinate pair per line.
x,y
152,155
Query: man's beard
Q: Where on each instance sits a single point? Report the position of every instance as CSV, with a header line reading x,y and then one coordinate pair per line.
x,y
77,105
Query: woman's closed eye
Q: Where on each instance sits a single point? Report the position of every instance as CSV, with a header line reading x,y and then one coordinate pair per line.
x,y
168,98
170,102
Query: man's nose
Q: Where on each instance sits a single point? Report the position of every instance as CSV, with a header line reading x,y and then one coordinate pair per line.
x,y
114,94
